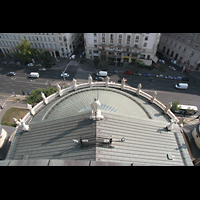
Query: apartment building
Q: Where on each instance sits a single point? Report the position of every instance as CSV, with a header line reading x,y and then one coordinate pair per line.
x,y
182,47
59,44
122,47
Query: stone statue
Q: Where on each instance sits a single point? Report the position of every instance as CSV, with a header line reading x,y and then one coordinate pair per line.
x,y
74,84
90,80
59,89
107,80
25,127
169,127
29,107
96,113
139,89
123,83
16,121
169,105
153,97
45,100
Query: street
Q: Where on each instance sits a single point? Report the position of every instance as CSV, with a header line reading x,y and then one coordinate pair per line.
x,y
164,87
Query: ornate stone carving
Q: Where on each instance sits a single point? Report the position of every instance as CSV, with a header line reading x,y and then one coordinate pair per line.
x,y
96,113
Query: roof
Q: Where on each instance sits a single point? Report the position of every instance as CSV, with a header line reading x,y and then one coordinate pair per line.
x,y
125,116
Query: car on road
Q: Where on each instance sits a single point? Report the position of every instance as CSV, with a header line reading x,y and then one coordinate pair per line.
x,y
34,75
173,61
162,61
146,74
65,75
169,77
30,64
177,78
128,73
183,86
186,109
4,63
73,57
137,73
159,76
113,71
99,78
17,63
173,68
43,69
185,79
11,74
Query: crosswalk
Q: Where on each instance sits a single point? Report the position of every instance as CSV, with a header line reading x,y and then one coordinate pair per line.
x,y
73,62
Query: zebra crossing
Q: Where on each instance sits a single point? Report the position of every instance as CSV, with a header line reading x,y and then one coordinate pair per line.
x,y
73,62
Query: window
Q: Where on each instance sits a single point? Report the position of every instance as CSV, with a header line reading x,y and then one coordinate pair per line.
x,y
128,38
145,44
95,34
184,49
95,45
90,51
188,42
146,37
54,39
137,38
95,41
179,48
103,40
120,36
103,35
183,40
192,54
111,36
178,37
196,46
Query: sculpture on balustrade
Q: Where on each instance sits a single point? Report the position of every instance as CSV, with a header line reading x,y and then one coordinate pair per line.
x,y
59,89
96,112
139,89
107,80
169,105
90,80
123,83
45,100
29,107
74,84
153,97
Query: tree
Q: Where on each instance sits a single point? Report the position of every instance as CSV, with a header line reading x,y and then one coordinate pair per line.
x,y
175,106
25,51
45,56
96,61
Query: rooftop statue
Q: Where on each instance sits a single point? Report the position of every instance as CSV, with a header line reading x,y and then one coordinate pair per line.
x,y
96,113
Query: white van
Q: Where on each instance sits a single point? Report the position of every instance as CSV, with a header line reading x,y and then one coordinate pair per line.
x,y
183,86
186,109
34,75
102,73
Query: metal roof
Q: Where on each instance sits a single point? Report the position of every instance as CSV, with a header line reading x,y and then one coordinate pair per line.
x,y
125,116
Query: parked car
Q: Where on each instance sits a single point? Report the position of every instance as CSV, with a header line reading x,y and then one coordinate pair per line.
x,y
11,63
113,71
177,78
65,75
159,76
4,63
169,77
128,73
146,74
99,78
137,73
73,57
17,63
43,69
162,61
185,79
34,75
11,74
173,61
173,68
38,65
30,64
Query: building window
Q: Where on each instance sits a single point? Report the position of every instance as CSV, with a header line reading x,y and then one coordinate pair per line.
x,y
184,49
103,40
90,51
95,34
188,42
145,44
196,46
137,38
146,37
103,35
179,48
95,41
111,36
120,36
192,54
95,45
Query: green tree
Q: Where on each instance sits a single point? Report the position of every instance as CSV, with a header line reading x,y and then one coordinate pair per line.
x,y
45,56
175,106
25,51
96,61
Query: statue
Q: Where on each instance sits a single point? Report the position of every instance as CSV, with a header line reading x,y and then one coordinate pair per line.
x,y
25,127
29,107
139,89
169,105
90,80
45,100
59,89
107,80
17,122
123,83
74,83
96,113
154,97
169,127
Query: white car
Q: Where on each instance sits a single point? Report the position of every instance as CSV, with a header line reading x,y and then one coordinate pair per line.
x,y
30,64
162,61
159,76
168,77
43,69
173,61
73,57
173,68
65,75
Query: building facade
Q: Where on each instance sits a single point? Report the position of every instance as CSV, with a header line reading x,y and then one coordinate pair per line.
x,y
122,47
182,47
59,44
